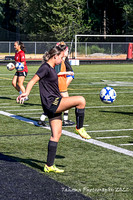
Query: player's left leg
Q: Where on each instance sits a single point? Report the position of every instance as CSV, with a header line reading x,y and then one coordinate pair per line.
x,y
14,83
56,130
20,82
79,103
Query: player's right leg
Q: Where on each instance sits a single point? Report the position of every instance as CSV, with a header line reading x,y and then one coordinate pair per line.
x,y
79,103
14,83
66,121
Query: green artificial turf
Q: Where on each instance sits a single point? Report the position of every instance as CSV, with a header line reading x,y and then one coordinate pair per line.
x,y
95,171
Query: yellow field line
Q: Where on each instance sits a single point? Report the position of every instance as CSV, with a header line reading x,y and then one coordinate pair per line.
x,y
4,78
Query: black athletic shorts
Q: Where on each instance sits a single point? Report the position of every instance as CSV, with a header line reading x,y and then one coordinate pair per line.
x,y
51,112
21,74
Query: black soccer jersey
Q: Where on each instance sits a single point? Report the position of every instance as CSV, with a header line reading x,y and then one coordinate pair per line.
x,y
48,84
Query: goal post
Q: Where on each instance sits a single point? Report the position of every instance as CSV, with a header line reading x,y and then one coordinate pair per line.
x,y
121,39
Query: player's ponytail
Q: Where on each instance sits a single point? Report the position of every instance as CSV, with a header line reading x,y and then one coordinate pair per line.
x,y
22,47
52,52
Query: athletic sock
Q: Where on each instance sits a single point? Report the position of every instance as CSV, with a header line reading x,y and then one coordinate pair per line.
x,y
52,147
43,117
79,117
65,116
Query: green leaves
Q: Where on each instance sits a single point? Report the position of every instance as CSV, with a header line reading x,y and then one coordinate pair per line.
x,y
61,19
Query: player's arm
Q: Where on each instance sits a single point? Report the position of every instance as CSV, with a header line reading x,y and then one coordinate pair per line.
x,y
66,73
30,84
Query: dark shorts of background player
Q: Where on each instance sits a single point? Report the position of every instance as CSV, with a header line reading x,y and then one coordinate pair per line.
x,y
21,74
51,112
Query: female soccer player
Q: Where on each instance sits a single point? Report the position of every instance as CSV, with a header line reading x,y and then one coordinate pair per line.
x,y
19,76
54,104
65,76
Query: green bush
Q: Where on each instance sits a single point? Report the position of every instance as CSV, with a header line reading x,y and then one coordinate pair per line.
x,y
96,49
90,49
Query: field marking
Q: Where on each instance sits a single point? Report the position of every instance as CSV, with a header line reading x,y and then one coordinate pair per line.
x,y
4,78
32,74
115,130
10,106
112,137
26,109
87,107
118,106
130,144
73,135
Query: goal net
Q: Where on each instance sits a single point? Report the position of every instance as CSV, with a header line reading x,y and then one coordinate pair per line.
x,y
102,46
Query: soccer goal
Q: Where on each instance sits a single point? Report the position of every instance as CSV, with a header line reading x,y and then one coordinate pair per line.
x,y
102,46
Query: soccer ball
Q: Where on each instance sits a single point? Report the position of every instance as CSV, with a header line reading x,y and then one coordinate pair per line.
x,y
9,66
108,95
19,66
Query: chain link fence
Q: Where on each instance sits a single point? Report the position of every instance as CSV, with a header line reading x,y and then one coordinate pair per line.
x,y
85,50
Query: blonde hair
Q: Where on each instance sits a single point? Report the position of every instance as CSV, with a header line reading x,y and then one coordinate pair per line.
x,y
52,52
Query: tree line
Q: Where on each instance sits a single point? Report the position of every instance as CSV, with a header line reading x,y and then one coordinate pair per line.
x,y
48,20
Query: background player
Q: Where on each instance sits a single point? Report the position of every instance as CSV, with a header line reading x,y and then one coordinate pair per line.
x,y
19,76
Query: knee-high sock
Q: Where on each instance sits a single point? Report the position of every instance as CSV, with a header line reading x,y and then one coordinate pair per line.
x,y
52,147
65,116
79,117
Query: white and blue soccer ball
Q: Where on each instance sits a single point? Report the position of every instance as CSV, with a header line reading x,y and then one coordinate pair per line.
x,y
107,95
19,66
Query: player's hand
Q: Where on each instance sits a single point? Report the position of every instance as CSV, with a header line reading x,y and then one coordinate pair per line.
x,y
12,68
70,73
20,99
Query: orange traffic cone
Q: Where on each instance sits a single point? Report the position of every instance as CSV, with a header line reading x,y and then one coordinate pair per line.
x,y
129,53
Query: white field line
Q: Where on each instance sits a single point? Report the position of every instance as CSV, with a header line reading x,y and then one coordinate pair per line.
x,y
115,130
32,74
130,144
88,107
26,110
10,106
91,141
39,113
75,93
113,137
3,104
118,106
15,95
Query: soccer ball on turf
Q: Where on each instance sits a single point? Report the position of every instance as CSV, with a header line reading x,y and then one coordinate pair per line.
x,y
108,95
9,66
19,66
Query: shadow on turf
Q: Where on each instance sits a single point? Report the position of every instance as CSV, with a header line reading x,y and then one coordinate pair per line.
x,y
30,162
5,98
30,104
118,112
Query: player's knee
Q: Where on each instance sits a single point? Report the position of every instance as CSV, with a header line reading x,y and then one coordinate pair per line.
x,y
82,101
14,84
57,137
20,84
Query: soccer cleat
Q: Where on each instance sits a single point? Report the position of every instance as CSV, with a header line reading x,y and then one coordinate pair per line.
x,y
42,123
26,98
82,132
53,168
68,123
